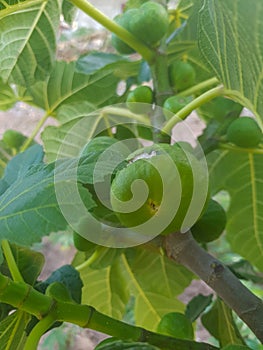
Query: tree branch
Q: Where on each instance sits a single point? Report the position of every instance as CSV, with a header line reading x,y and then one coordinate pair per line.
x,y
184,250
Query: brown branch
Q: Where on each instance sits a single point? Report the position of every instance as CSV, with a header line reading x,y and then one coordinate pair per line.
x,y
182,248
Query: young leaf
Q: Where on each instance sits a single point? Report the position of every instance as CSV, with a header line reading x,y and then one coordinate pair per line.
x,y
244,270
12,331
197,306
220,323
229,31
120,66
29,263
27,52
67,276
106,289
156,282
22,162
240,174
68,11
7,96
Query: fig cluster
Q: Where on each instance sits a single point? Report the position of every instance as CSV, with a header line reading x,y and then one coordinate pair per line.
x,y
149,23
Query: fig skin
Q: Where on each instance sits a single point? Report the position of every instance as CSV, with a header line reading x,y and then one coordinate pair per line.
x,y
244,132
211,224
166,173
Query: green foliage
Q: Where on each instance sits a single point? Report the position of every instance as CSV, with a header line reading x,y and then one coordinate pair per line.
x,y
176,325
220,108
197,306
13,139
220,323
224,53
212,47
7,96
28,55
112,343
82,244
240,175
12,331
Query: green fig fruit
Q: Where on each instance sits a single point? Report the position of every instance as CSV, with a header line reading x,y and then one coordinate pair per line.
x,y
182,75
211,224
244,132
153,193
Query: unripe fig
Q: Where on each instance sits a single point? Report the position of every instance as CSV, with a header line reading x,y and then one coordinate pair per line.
x,y
211,224
153,193
244,132
182,75
141,94
123,20
149,23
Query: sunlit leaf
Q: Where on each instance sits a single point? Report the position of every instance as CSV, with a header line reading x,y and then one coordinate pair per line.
x,y
12,331
28,40
156,282
229,32
240,174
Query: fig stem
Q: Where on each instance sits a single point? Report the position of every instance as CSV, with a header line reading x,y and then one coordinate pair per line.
x,y
197,102
27,299
199,87
35,132
183,249
13,268
147,53
229,147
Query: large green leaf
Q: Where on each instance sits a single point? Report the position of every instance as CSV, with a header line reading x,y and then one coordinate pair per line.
x,y
220,323
65,85
156,282
231,41
240,174
12,331
120,66
28,40
73,137
105,289
79,124
29,208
